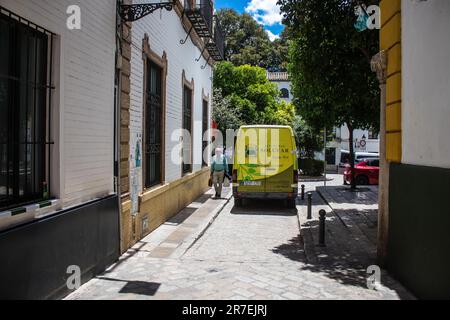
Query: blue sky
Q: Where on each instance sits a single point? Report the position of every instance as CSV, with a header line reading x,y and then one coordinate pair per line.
x,y
266,12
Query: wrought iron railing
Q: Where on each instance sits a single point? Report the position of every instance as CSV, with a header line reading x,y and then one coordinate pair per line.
x,y
216,44
219,38
200,14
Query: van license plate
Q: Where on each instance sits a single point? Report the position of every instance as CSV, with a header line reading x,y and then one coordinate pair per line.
x,y
252,183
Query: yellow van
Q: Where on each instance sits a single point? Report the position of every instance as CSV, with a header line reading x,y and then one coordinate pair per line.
x,y
265,164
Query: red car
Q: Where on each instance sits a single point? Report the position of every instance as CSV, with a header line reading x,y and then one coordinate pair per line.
x,y
366,172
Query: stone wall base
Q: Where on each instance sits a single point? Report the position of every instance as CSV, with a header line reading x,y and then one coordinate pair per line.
x,y
158,205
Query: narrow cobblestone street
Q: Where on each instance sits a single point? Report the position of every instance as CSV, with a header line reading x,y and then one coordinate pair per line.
x,y
224,150
255,253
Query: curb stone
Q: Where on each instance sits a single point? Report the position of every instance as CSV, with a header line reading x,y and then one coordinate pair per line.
x,y
191,240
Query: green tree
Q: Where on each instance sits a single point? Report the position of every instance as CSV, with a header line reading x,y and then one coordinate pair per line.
x,y
251,96
222,113
279,55
308,139
330,65
248,43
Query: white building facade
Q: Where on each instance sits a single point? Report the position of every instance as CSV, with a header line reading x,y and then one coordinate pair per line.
x,y
281,79
57,145
338,145
166,113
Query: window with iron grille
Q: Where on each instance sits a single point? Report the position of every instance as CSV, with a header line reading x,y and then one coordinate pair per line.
x,y
153,126
25,95
187,132
204,129
284,93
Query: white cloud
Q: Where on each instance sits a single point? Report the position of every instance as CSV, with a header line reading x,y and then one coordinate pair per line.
x,y
266,12
272,36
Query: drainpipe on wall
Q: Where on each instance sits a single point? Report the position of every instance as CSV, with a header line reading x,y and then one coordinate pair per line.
x,y
379,65
117,106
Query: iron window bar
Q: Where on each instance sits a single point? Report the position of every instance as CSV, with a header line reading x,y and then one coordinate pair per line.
x,y
32,163
25,21
134,12
187,126
153,126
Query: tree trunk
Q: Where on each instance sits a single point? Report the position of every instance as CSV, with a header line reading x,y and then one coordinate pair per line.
x,y
352,155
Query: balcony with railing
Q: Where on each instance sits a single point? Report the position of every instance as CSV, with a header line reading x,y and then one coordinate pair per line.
x,y
216,45
200,15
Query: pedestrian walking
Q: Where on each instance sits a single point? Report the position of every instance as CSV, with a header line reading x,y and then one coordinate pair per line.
x,y
219,169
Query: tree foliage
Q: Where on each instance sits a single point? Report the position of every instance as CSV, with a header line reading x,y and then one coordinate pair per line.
x,y
246,42
278,59
330,64
223,114
250,96
307,137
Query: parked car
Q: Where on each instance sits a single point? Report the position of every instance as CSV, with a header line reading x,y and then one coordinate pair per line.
x,y
366,172
359,156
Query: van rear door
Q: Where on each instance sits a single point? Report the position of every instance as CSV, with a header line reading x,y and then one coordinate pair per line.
x,y
280,161
250,160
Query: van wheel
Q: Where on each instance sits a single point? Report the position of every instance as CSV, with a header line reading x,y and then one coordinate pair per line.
x,y
362,180
238,202
291,204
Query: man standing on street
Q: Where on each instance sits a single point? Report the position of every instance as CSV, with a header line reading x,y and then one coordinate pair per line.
x,y
219,168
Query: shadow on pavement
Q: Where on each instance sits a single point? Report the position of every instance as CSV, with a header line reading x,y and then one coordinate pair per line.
x,y
203,198
351,244
136,287
141,287
263,207
127,255
292,250
181,217
339,267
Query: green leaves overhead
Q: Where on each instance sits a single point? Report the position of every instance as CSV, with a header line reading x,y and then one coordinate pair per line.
x,y
330,63
246,42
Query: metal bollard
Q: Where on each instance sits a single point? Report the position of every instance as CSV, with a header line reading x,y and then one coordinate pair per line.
x,y
303,192
309,206
322,218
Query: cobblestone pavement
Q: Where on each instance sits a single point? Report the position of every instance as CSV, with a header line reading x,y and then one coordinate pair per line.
x,y
251,253
350,234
